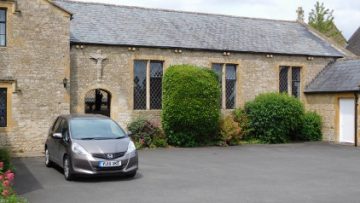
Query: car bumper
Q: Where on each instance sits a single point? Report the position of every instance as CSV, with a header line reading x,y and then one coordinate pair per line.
x,y
83,165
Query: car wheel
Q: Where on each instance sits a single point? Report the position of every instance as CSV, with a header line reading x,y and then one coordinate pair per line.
x,y
48,162
68,174
131,174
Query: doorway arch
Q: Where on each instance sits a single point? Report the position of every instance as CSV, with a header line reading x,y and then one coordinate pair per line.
x,y
98,101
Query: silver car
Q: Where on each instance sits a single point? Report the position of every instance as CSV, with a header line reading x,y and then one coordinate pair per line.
x,y
90,145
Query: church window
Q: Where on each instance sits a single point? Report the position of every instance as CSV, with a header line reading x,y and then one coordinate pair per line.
x,y
290,75
2,27
3,107
227,80
156,74
148,84
140,84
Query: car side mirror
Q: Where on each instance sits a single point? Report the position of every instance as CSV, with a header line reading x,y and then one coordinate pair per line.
x,y
57,135
130,134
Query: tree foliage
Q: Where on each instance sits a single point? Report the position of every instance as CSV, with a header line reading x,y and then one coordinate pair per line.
x,y
322,19
191,103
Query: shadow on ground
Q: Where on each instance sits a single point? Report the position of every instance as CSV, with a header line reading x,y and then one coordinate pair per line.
x,y
112,178
28,181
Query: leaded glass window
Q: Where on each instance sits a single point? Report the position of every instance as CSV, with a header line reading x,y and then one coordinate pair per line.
x,y
290,75
218,70
3,107
230,86
140,84
283,79
2,27
156,73
227,83
295,89
148,84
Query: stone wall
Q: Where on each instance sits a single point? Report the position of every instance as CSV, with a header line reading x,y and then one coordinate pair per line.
x,y
33,65
255,74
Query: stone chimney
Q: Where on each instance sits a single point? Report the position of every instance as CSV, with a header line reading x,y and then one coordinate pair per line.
x,y
300,15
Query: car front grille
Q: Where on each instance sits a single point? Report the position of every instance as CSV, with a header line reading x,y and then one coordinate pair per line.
x,y
109,156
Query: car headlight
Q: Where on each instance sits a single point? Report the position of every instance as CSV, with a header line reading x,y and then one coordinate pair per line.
x,y
131,147
78,149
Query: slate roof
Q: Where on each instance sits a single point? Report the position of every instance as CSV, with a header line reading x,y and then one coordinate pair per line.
x,y
354,43
107,24
340,76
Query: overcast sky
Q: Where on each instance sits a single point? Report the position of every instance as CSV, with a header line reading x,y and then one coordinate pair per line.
x,y
346,12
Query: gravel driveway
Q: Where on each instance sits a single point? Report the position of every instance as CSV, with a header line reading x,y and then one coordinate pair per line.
x,y
312,172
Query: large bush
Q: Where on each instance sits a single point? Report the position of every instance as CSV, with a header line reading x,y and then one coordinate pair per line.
x,y
146,134
311,128
274,117
191,100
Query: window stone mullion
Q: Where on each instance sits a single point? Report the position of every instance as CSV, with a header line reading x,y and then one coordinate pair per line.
x,y
148,85
223,87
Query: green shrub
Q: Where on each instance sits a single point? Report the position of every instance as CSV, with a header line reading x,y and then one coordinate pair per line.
x,y
274,117
5,158
311,128
230,131
191,100
146,134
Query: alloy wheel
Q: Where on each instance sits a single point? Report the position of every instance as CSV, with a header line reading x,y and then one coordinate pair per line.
x,y
47,158
66,168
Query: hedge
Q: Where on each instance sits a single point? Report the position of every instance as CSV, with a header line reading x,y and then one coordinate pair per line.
x,y
274,117
311,128
191,100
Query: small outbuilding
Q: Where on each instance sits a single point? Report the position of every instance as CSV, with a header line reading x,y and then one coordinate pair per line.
x,y
334,95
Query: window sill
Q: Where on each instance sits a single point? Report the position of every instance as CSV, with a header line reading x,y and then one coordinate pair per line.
x,y
5,129
146,110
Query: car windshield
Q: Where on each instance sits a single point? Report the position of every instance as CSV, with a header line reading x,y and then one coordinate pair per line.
x,y
95,129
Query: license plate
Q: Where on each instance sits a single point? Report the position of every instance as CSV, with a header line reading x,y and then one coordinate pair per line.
x,y
109,164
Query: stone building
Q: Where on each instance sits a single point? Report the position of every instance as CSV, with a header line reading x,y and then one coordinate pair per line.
x,y
59,57
34,60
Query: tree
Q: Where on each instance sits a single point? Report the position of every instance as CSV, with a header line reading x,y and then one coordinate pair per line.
x,y
322,19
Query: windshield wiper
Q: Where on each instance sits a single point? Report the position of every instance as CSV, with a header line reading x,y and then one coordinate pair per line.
x,y
101,138
87,138
104,138
118,138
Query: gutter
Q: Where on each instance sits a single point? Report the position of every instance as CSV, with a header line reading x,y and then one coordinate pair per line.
x,y
309,92
72,42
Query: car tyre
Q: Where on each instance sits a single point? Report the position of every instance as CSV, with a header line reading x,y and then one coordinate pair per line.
x,y
68,173
48,162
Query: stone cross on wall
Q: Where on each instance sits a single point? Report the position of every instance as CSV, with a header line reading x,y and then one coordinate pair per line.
x,y
99,57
